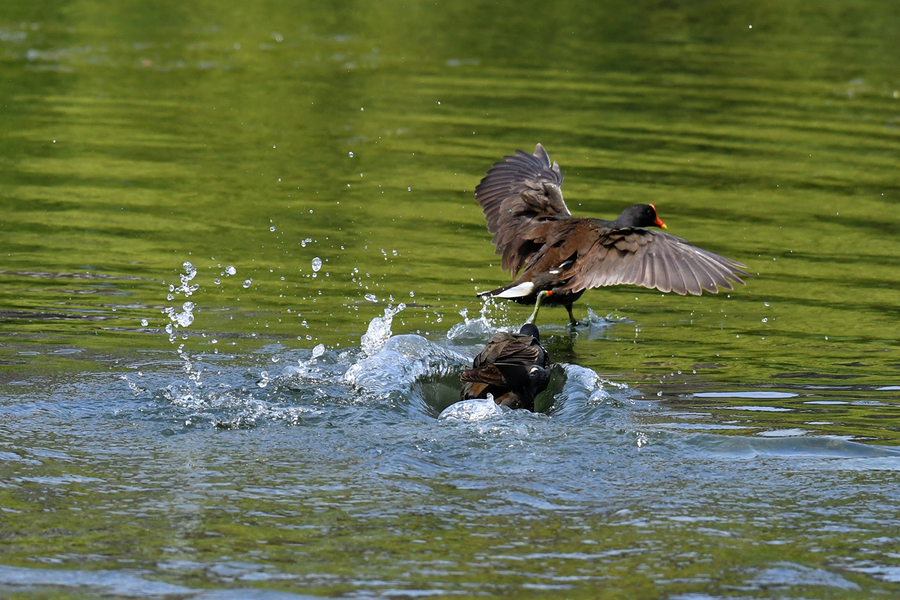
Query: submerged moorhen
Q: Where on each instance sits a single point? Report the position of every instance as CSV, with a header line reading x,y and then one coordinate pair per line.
x,y
513,368
561,256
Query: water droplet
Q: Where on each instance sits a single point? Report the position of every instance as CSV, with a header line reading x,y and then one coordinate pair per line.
x,y
351,155
144,322
272,228
247,283
412,294
230,270
765,320
371,297
316,264
318,351
766,303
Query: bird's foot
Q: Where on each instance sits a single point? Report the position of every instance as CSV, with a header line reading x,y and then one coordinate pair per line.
x,y
572,320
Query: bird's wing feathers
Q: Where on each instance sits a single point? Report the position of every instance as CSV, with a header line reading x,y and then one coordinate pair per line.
x,y
650,259
508,347
522,189
524,208
488,375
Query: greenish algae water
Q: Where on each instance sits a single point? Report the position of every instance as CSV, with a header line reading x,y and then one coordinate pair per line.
x,y
731,445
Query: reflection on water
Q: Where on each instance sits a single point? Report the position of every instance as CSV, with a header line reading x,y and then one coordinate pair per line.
x,y
239,255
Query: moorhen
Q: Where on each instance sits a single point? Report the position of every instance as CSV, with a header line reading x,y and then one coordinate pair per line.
x,y
513,368
561,256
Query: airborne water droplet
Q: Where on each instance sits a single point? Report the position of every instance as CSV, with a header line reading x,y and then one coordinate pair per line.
x,y
247,283
316,264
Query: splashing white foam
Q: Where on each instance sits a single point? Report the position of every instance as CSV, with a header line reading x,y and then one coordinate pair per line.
x,y
379,331
471,410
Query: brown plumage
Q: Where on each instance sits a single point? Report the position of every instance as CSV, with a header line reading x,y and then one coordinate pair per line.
x,y
513,368
561,256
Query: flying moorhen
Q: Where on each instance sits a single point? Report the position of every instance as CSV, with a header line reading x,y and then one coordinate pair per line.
x,y
513,368
561,256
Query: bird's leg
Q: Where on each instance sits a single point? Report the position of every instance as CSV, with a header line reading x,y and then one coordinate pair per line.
x,y
572,319
537,306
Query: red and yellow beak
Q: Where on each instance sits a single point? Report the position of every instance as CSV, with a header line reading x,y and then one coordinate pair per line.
x,y
658,222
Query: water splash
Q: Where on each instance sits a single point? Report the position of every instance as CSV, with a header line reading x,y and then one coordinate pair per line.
x,y
475,330
400,362
472,410
379,331
186,316
186,277
393,375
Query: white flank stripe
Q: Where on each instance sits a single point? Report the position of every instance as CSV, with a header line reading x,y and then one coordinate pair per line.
x,y
521,290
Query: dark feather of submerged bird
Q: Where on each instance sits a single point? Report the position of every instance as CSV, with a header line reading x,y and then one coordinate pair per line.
x,y
513,368
561,256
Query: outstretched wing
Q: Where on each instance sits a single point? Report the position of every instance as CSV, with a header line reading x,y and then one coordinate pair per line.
x,y
515,194
591,255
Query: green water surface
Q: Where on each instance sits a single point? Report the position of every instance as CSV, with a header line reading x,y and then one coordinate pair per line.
x,y
136,136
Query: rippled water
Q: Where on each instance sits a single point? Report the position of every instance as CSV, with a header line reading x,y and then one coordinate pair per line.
x,y
239,254
330,471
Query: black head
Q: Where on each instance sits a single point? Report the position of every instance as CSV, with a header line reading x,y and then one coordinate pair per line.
x,y
640,215
532,330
